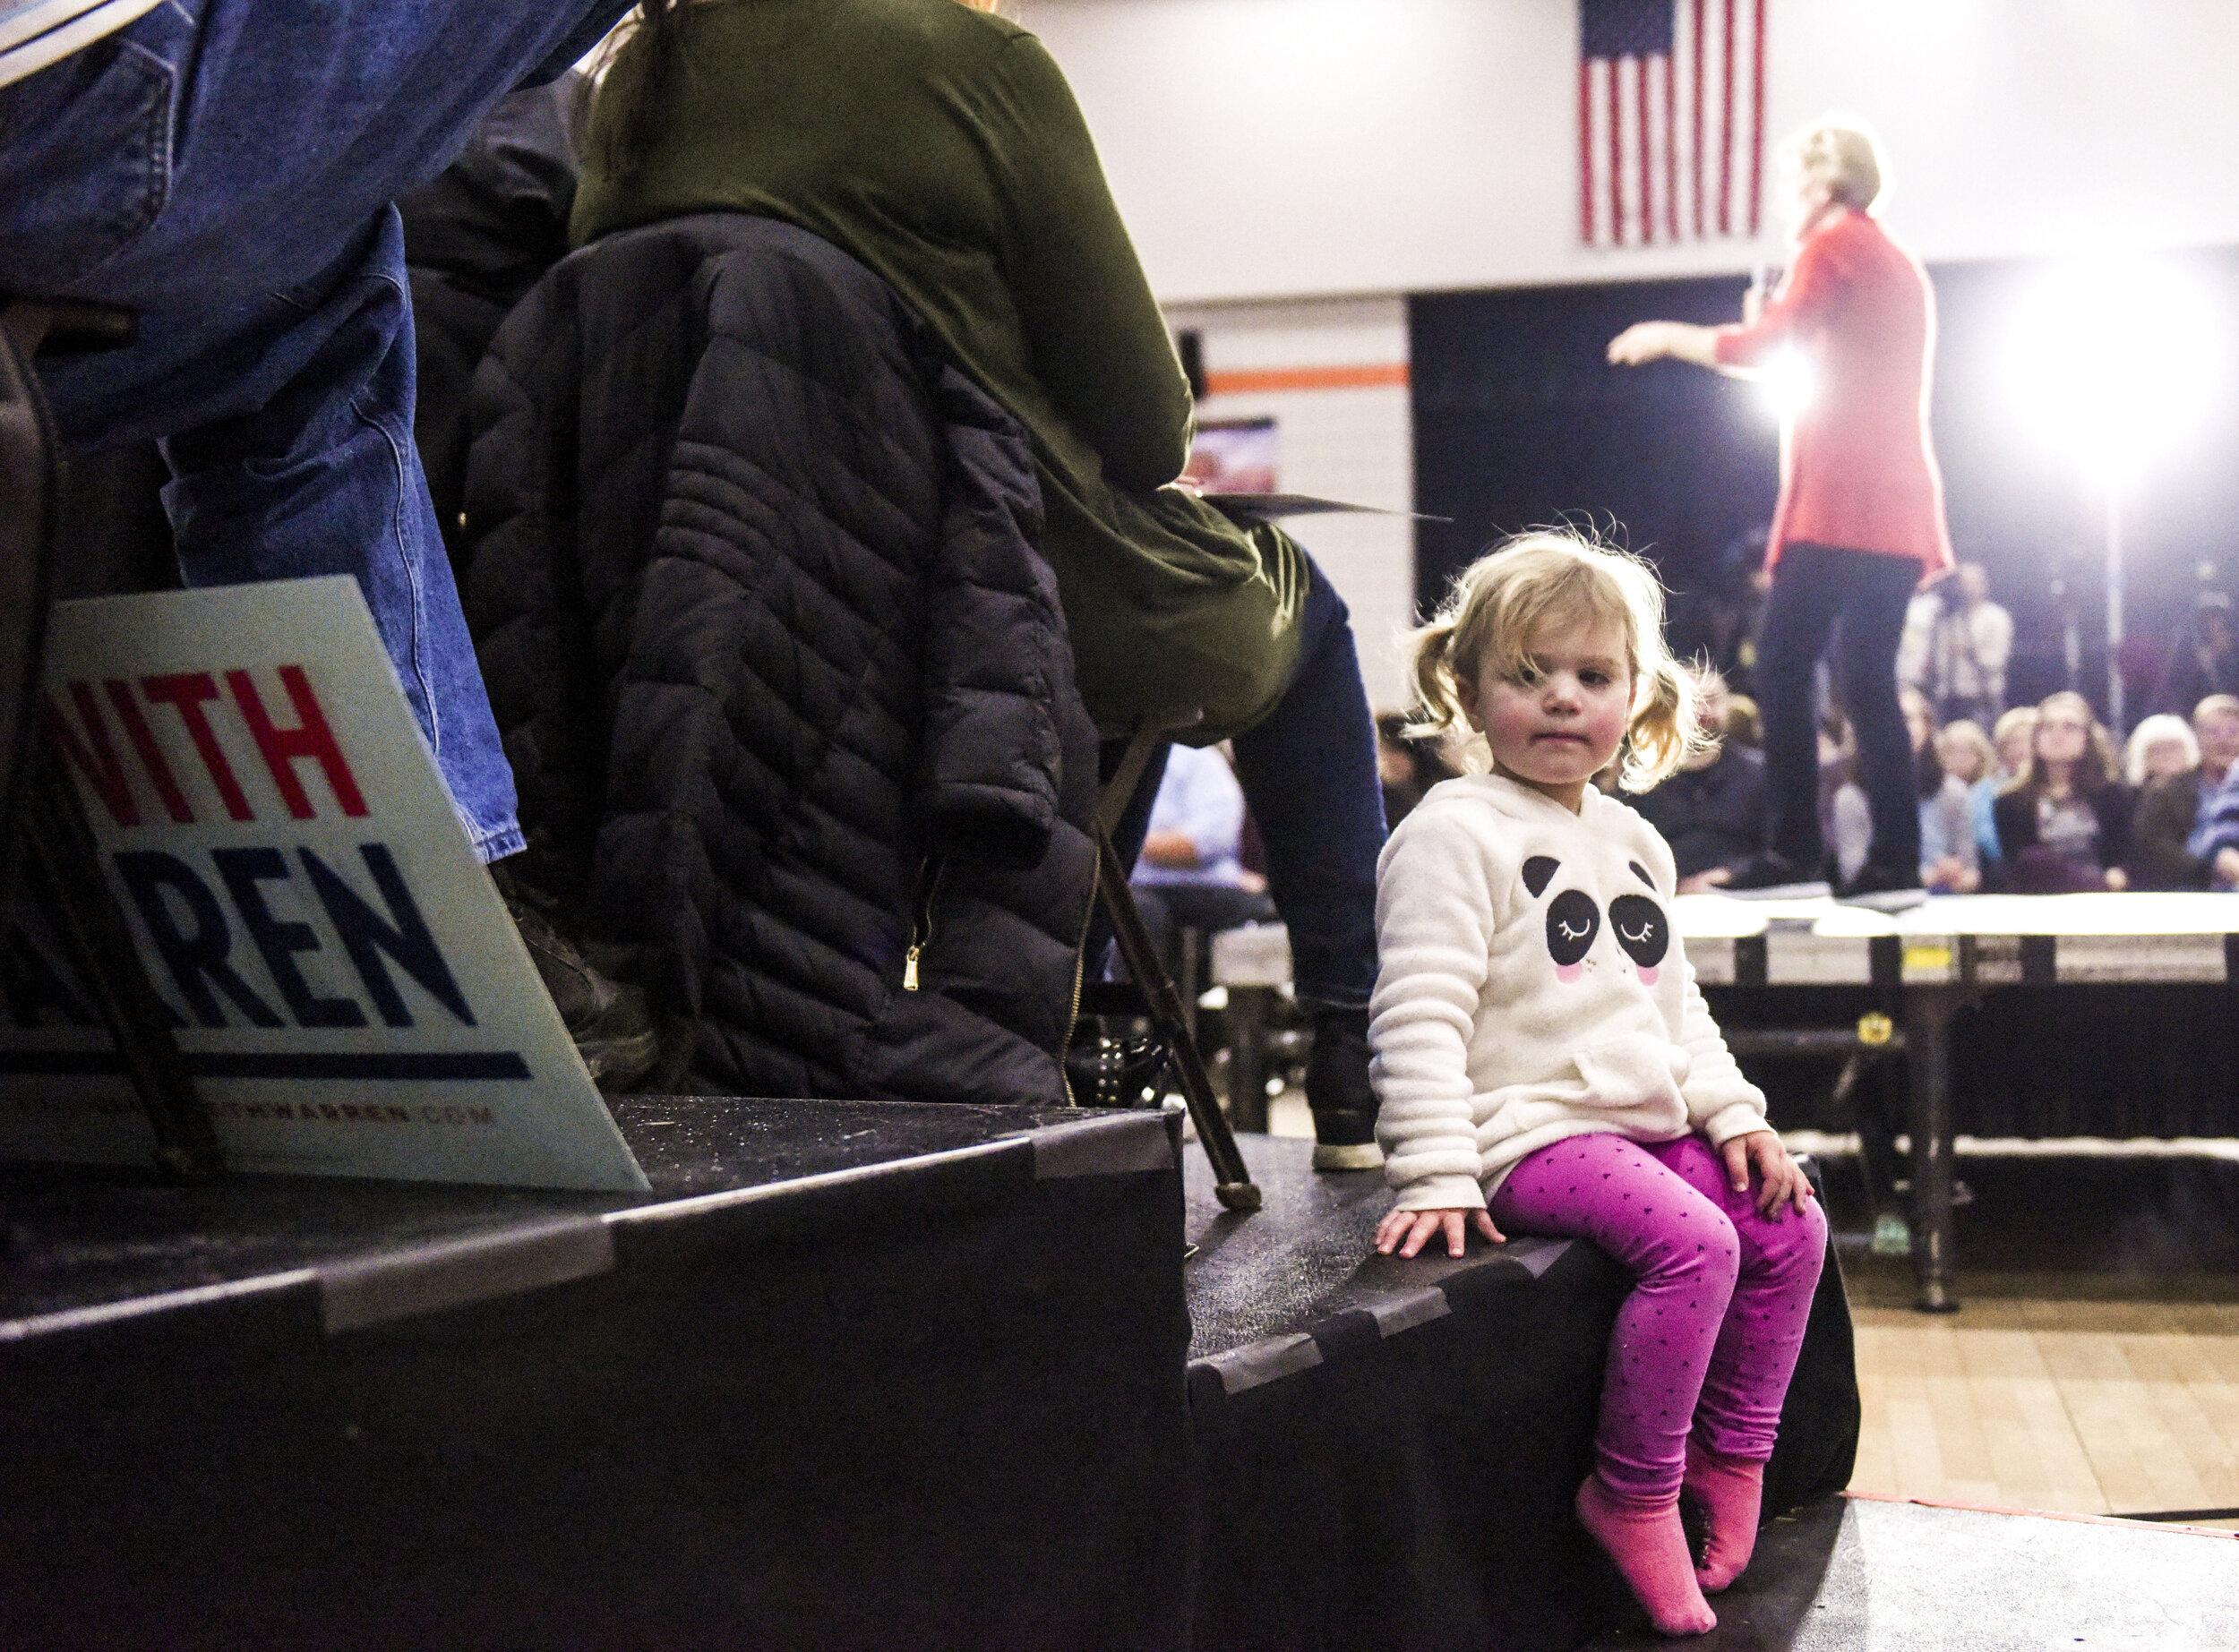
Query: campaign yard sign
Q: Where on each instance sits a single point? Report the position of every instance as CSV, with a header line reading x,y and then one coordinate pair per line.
x,y
349,993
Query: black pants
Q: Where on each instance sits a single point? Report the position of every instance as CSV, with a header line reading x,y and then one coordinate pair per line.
x,y
1855,599
1308,774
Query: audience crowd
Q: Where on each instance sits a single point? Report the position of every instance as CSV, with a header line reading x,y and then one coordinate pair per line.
x,y
2045,804
2018,798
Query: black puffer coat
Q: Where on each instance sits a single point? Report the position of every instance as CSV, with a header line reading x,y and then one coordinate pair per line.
x,y
783,678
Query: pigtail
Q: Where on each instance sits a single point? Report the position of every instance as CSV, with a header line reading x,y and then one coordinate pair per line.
x,y
1438,706
1664,733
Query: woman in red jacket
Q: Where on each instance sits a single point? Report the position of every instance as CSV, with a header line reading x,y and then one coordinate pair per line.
x,y
1860,520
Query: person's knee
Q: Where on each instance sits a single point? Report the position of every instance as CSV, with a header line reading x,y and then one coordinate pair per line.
x,y
1701,1245
1797,1244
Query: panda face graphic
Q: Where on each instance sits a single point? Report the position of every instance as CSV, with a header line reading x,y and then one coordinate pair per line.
x,y
1574,921
1642,931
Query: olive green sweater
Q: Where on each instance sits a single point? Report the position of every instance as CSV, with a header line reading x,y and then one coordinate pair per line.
x,y
941,147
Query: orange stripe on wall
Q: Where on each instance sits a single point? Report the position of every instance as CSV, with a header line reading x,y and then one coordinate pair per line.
x,y
1248,380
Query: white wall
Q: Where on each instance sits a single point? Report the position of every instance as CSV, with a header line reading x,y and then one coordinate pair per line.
x,y
1352,442
1274,148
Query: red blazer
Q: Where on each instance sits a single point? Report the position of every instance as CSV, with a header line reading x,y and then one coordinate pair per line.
x,y
1856,467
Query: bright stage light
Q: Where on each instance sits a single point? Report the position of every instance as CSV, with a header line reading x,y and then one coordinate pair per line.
x,y
1785,383
2113,361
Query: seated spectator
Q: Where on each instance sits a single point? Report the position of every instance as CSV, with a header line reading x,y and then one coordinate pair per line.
x,y
1965,751
2160,746
2206,660
2215,842
1948,858
1407,765
2172,807
2009,739
941,147
2063,823
1711,809
1190,874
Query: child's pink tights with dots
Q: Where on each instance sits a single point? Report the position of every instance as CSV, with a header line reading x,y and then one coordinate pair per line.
x,y
1707,1340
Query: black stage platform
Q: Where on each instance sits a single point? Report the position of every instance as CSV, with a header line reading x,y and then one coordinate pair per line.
x,y
1387,1450
853,1376
1848,1574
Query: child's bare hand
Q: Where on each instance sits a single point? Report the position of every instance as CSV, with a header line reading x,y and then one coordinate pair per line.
x,y
1407,1232
1783,1182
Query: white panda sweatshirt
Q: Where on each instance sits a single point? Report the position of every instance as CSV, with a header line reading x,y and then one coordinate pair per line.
x,y
1531,989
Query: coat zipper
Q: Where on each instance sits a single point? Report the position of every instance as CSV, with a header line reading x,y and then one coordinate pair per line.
x,y
922,937
922,921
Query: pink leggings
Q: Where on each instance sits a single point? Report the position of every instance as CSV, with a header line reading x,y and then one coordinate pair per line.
x,y
1708,1337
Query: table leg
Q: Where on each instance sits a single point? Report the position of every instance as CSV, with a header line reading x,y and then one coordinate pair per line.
x,y
1929,1012
1248,1056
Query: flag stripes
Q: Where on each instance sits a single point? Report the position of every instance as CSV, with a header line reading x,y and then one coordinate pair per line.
x,y
1671,121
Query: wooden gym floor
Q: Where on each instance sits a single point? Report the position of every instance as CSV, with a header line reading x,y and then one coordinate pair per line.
x,y
2093,1368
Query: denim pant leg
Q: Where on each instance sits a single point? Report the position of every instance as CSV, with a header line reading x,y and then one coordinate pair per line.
x,y
223,169
1309,773
324,479
1879,590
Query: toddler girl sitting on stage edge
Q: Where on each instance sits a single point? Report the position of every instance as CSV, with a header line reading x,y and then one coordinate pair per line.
x,y
1541,1048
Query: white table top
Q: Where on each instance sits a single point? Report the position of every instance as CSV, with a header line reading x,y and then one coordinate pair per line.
x,y
2183,912
2008,939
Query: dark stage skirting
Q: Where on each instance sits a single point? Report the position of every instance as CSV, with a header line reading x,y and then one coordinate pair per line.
x,y
2116,1059
856,1375
1387,1450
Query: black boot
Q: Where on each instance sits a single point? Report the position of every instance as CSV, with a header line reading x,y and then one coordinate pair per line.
x,y
1338,1092
609,1021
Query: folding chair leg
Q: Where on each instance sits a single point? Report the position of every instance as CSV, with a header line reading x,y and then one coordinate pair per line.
x,y
35,796
64,859
1231,1182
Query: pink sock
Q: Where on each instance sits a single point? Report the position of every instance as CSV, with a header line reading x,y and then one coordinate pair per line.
x,y
1731,1490
1651,1551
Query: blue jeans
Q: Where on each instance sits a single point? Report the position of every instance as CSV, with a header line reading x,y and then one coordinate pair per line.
x,y
1309,772
224,167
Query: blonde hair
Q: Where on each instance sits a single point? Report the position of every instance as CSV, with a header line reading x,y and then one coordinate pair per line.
x,y
2008,720
1498,605
1969,733
1839,151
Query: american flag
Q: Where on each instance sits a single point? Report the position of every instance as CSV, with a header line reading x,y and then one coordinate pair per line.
x,y
1670,120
